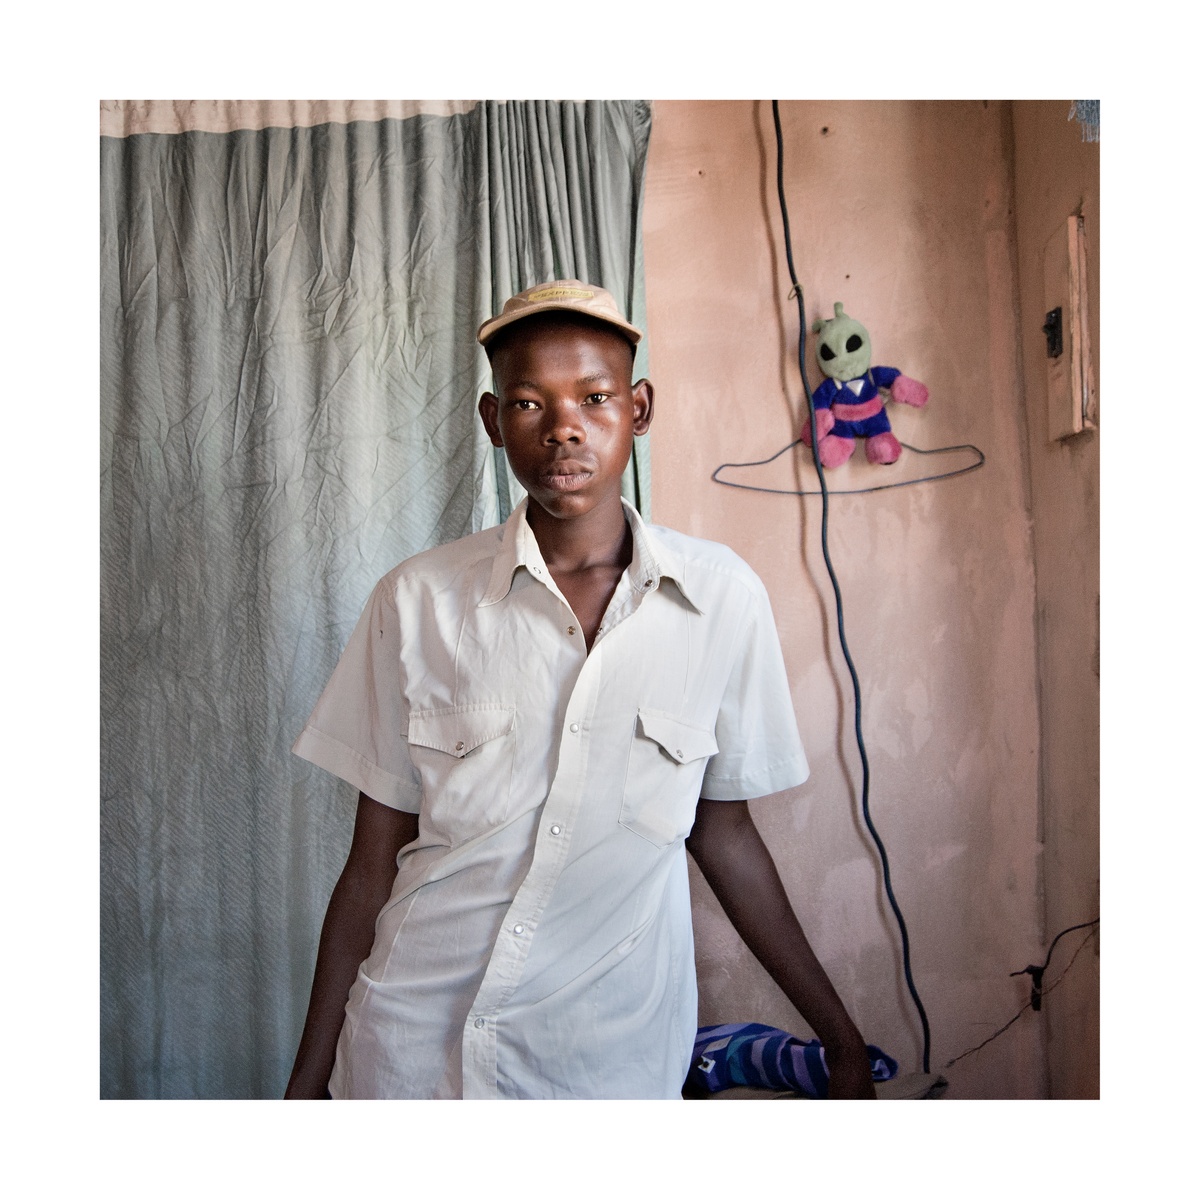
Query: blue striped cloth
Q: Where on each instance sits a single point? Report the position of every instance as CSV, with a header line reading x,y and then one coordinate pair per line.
x,y
750,1055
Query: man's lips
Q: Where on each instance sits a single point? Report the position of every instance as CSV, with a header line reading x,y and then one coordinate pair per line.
x,y
566,476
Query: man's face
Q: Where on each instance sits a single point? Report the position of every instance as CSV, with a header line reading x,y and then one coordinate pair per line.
x,y
566,414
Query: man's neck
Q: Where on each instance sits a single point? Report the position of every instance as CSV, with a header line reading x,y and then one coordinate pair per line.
x,y
599,538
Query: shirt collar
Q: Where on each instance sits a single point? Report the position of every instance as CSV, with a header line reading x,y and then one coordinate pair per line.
x,y
652,560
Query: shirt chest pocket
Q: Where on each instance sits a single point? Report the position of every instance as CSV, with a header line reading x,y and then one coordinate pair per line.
x,y
667,758
465,759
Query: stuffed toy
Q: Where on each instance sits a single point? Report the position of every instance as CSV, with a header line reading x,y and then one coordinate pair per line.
x,y
759,1056
848,404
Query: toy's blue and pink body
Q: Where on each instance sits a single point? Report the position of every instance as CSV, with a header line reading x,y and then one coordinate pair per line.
x,y
848,405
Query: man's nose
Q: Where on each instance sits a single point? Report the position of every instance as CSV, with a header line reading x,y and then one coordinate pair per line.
x,y
563,424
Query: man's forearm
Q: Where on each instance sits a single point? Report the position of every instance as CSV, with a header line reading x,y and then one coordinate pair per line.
x,y
739,868
346,938
380,832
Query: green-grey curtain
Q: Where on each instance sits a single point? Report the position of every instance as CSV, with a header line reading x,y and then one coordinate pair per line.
x,y
288,379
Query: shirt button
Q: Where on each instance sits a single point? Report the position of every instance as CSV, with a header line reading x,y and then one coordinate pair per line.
x,y
574,726
556,830
479,1022
518,929
678,753
571,630
459,745
645,585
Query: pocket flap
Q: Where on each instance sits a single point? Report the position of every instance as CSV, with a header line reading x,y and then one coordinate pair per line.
x,y
458,731
684,743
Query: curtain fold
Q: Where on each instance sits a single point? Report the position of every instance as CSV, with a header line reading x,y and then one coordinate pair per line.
x,y
288,385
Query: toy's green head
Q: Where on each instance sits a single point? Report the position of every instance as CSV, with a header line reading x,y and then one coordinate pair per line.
x,y
844,349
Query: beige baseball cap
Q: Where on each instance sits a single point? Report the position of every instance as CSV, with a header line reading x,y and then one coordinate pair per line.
x,y
569,295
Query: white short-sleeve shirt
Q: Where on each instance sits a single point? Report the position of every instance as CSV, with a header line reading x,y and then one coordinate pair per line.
x,y
538,941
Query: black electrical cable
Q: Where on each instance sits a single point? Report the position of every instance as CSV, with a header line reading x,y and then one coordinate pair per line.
x,y
1037,991
798,292
1035,972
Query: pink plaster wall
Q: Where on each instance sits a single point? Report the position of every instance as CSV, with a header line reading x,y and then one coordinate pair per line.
x,y
1058,174
903,211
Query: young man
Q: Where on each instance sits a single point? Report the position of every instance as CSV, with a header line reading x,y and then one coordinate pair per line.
x,y
537,717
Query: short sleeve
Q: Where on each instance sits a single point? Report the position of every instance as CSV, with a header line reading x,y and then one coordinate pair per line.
x,y
356,729
759,748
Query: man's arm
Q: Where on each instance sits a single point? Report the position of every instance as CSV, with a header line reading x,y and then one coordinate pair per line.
x,y
346,937
739,869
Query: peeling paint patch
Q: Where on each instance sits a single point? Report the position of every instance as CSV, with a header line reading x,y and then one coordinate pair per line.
x,y
938,856
916,704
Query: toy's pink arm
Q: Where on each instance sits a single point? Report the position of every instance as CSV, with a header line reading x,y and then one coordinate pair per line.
x,y
909,391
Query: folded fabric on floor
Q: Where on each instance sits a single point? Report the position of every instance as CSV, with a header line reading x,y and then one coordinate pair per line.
x,y
752,1055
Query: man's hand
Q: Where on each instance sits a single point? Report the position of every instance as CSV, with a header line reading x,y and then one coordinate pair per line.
x,y
850,1074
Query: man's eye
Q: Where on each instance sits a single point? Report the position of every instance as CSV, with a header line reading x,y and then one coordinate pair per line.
x,y
597,397
524,405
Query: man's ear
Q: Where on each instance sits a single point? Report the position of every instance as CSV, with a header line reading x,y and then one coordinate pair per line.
x,y
643,406
489,412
